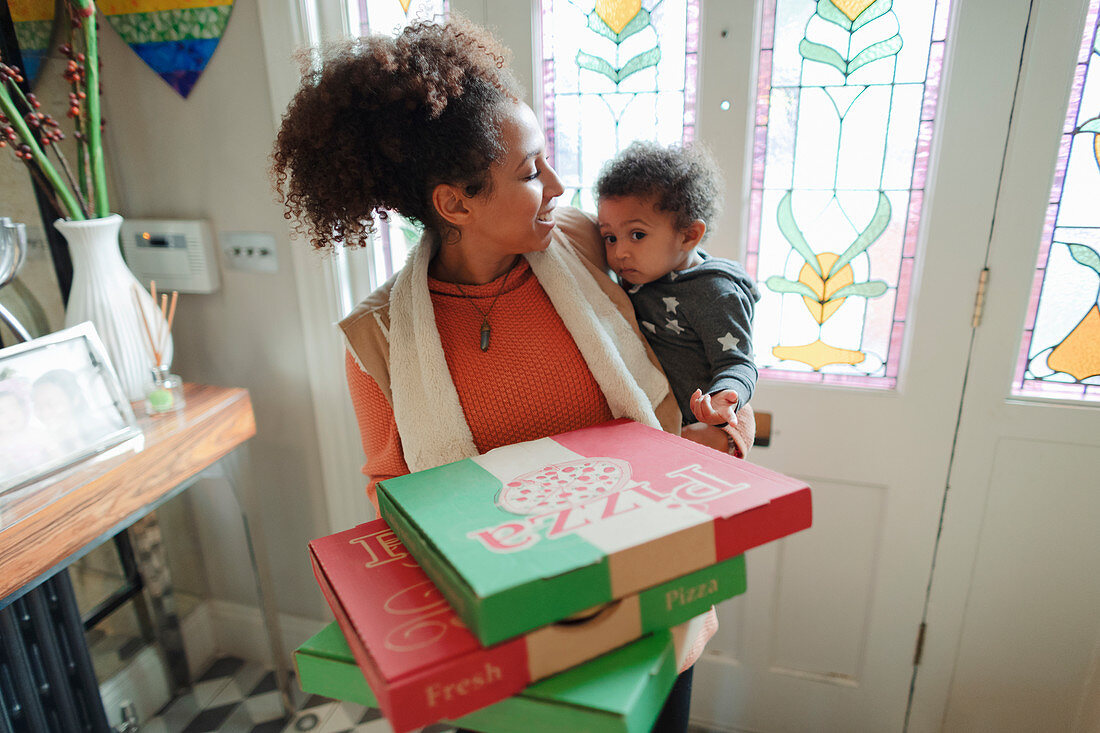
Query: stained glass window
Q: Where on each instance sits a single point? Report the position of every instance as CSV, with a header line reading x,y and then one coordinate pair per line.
x,y
390,16
615,71
846,103
394,234
1060,351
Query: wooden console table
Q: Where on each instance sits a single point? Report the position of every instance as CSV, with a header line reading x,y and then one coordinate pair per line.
x,y
44,529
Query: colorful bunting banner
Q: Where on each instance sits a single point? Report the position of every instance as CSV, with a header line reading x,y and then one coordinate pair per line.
x,y
33,21
176,38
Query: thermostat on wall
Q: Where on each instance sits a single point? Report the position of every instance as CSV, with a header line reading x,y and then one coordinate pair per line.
x,y
179,255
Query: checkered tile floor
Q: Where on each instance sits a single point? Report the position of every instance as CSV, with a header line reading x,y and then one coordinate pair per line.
x,y
235,696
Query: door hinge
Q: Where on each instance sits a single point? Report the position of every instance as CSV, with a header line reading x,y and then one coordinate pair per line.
x,y
979,299
920,643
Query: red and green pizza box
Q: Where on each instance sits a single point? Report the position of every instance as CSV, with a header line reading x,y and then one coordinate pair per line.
x,y
424,664
620,692
529,534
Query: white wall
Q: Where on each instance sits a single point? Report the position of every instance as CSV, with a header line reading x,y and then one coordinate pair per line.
x,y
205,157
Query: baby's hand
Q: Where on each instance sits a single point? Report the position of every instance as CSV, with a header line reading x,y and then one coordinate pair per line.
x,y
715,409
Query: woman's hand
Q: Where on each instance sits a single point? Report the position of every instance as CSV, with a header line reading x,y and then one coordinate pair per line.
x,y
717,409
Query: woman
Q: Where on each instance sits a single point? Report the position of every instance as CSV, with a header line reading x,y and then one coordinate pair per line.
x,y
503,326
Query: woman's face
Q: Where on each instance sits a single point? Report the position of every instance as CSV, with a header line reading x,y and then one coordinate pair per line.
x,y
516,214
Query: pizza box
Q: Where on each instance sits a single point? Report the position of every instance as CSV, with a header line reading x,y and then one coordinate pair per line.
x,y
529,534
422,662
620,692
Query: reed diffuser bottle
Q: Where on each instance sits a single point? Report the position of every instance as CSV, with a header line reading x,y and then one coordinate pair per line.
x,y
165,393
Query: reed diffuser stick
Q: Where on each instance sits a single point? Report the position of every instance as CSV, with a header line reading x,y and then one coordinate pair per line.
x,y
166,392
145,323
161,335
171,317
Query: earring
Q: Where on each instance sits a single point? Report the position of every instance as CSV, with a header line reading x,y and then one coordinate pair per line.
x,y
451,236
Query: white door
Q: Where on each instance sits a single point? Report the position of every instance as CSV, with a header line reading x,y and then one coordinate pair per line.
x,y
824,639
1014,615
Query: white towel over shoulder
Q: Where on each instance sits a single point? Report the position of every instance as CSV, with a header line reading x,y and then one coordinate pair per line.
x,y
429,416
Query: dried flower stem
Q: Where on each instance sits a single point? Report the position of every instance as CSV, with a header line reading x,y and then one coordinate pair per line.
x,y
15,119
84,194
72,180
83,164
83,160
20,96
46,189
91,84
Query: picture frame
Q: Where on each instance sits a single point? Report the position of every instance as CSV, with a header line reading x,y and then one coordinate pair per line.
x,y
60,403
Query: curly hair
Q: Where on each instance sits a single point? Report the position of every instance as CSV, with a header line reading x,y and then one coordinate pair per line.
x,y
383,121
684,181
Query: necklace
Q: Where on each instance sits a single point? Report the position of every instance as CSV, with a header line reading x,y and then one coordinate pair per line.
x,y
486,329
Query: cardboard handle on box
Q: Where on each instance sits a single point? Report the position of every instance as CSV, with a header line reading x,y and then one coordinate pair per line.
x,y
563,645
590,614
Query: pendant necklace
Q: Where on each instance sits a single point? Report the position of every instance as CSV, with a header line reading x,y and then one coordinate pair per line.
x,y
486,329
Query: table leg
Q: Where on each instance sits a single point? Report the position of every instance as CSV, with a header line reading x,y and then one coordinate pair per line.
x,y
235,468
149,556
125,550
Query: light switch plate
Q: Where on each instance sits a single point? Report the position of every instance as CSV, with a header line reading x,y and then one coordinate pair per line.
x,y
249,251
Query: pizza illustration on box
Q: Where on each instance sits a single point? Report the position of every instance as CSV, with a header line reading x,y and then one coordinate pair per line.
x,y
562,485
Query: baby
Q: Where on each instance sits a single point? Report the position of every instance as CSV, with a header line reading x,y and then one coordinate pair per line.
x,y
695,310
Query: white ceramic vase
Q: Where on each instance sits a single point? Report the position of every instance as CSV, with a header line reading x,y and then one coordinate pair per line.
x,y
103,293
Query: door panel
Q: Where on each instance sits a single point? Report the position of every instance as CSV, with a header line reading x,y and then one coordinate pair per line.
x,y
1031,629
835,565
1012,622
837,574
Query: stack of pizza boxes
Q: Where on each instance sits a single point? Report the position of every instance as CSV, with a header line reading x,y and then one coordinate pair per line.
x,y
495,572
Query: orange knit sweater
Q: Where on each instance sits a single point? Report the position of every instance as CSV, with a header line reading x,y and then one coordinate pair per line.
x,y
531,383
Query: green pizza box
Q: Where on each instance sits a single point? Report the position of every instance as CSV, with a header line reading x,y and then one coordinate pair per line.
x,y
527,535
620,692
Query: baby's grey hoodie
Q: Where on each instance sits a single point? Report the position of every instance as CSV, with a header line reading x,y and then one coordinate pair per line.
x,y
699,323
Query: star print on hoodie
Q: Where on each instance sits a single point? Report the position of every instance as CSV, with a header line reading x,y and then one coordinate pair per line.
x,y
699,323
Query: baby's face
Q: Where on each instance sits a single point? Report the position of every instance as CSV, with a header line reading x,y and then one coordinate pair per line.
x,y
642,243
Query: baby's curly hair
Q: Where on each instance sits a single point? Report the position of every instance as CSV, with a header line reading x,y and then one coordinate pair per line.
x,y
684,181
385,120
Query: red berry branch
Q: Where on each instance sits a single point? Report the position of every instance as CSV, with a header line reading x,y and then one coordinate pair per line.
x,y
33,135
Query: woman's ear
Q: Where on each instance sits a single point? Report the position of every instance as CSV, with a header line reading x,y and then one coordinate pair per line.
x,y
450,204
693,234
